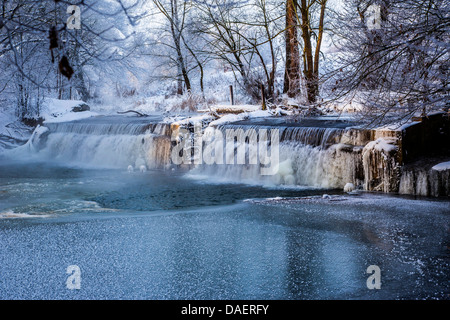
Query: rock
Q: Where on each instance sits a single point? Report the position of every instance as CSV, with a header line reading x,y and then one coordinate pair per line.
x,y
80,108
349,187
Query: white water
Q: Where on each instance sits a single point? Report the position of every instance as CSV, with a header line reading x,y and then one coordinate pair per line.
x,y
300,165
100,144
105,151
308,156
105,127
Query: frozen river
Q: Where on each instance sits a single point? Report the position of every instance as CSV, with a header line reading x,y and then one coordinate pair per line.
x,y
161,234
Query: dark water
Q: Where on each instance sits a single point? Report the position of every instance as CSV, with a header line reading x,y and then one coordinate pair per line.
x,y
161,235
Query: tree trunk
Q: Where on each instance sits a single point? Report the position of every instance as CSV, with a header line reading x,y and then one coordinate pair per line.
x,y
80,85
315,78
179,80
292,69
176,34
310,60
307,52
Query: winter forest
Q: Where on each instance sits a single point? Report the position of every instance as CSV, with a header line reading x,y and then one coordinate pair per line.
x,y
386,59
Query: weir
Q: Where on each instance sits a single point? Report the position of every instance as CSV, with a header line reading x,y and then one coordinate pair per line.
x,y
308,156
106,142
312,153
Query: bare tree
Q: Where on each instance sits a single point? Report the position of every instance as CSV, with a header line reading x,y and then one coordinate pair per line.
x,y
399,68
176,21
242,35
46,57
311,55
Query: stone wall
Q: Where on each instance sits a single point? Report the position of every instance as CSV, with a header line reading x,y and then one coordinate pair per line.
x,y
401,160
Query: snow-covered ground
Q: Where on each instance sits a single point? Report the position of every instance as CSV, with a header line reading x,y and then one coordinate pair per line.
x,y
442,166
55,110
385,145
188,109
12,131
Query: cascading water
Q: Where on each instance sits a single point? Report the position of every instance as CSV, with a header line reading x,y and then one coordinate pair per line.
x,y
313,156
308,156
104,142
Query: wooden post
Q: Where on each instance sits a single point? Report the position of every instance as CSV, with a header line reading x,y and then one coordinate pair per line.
x,y
263,95
231,95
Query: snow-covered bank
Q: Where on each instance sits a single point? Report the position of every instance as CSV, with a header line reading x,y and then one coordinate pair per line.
x,y
362,198
442,166
12,132
55,110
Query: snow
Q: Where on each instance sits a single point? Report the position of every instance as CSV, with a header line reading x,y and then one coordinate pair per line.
x,y
72,117
229,118
398,126
235,108
442,166
55,110
349,187
183,120
9,214
382,144
12,131
241,116
346,106
212,120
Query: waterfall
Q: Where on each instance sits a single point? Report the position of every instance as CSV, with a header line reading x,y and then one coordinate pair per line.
x,y
105,143
311,136
311,154
305,156
91,127
308,156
